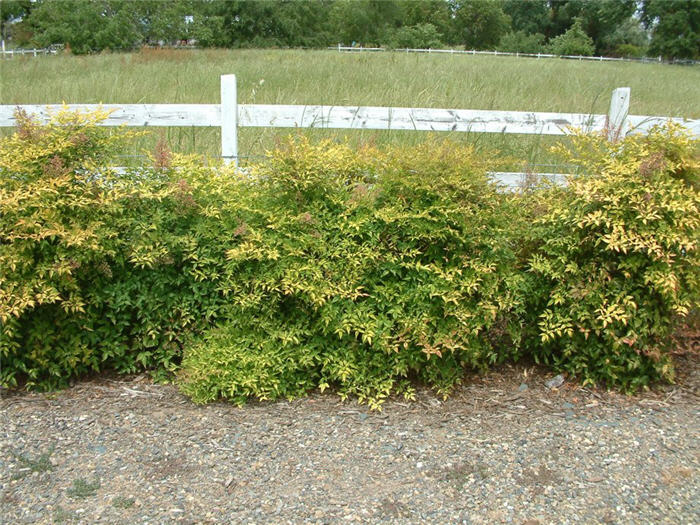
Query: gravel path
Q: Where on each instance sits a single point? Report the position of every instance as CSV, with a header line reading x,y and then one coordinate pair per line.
x,y
504,449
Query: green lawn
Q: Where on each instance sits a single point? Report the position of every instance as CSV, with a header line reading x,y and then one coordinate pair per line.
x,y
332,78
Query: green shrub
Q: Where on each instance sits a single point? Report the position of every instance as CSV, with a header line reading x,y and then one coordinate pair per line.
x,y
629,51
617,261
56,239
99,269
360,270
419,36
522,42
574,42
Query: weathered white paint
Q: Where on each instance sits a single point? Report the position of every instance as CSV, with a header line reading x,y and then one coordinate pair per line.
x,y
129,114
341,117
617,124
229,116
416,119
514,180
349,117
229,119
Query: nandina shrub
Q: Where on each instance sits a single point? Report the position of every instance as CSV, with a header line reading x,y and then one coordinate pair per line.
x,y
615,263
361,270
174,239
327,267
55,241
99,269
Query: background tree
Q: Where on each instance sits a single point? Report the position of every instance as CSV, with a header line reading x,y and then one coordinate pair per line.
x,y
529,17
434,12
419,36
629,39
574,42
675,27
166,21
11,13
599,18
521,42
613,26
87,25
364,21
479,24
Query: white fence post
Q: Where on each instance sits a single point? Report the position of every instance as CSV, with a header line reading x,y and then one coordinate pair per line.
x,y
617,124
229,119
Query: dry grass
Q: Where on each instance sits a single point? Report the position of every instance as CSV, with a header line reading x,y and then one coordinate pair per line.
x,y
332,78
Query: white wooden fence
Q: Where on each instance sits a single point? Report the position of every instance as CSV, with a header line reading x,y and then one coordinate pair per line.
x,y
644,60
229,116
11,53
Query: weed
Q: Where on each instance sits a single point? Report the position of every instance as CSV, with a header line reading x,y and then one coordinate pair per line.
x,y
82,488
62,515
539,477
676,475
394,509
120,502
460,474
29,465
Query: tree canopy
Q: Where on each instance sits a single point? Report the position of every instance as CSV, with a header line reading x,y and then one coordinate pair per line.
x,y
670,28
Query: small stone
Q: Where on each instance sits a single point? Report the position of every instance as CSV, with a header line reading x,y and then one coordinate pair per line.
x,y
522,387
568,405
555,382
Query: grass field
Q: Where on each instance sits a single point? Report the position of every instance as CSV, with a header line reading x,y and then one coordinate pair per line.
x,y
332,78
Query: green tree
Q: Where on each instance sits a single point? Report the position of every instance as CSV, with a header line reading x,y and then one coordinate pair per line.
x,y
11,12
419,36
434,12
599,18
166,21
675,27
263,23
574,42
529,17
364,21
87,25
521,42
479,24
628,39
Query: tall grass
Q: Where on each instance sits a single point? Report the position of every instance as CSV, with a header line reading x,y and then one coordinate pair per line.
x,y
332,78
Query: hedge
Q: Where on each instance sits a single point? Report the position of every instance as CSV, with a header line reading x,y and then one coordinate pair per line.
x,y
360,270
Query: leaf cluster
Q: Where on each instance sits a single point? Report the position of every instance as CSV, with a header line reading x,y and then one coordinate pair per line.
x,y
362,270
616,263
98,269
326,267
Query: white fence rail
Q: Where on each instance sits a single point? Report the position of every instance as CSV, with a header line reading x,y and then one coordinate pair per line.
x,y
644,60
229,116
11,53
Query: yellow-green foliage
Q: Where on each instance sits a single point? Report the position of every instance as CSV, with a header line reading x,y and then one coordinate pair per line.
x,y
618,258
54,234
96,268
326,266
47,197
360,270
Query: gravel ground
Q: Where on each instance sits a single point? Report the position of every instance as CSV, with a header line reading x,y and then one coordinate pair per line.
x,y
504,449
